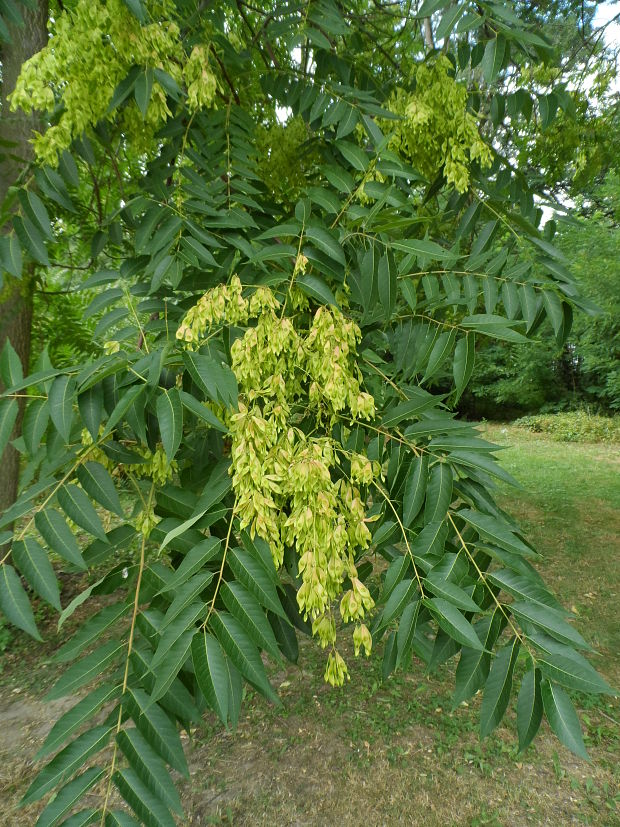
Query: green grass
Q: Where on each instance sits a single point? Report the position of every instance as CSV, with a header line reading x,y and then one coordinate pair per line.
x,y
395,752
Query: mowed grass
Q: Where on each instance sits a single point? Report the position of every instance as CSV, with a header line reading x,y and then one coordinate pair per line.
x,y
391,753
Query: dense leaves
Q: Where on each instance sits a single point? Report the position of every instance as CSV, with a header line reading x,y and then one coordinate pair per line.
x,y
262,421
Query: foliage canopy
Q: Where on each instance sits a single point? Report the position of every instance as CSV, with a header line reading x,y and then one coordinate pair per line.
x,y
255,450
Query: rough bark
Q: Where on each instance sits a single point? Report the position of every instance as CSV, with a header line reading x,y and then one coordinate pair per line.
x,y
16,295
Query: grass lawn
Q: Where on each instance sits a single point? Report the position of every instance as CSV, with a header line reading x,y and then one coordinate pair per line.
x,y
396,753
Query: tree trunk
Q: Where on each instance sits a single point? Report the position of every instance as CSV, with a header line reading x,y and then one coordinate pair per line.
x,y
16,295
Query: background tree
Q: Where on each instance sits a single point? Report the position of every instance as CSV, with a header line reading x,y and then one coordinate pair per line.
x,y
23,32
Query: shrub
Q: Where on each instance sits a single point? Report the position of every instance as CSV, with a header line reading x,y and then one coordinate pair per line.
x,y
574,426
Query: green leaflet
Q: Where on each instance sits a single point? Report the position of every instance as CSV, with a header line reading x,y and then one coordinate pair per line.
x,y
176,702
8,416
67,761
211,673
193,562
401,595
438,492
563,718
82,818
171,663
574,674
439,353
453,622
147,806
68,796
550,620
415,489
201,411
529,708
157,728
34,564
316,288
473,666
498,687
390,656
149,767
450,592
129,397
170,418
121,818
34,424
61,396
464,361
286,636
215,380
259,549
79,508
326,243
87,669
97,482
52,526
422,248
78,715
252,574
430,540
91,630
185,595
406,631
496,530
386,274
523,587
14,602
246,608
243,652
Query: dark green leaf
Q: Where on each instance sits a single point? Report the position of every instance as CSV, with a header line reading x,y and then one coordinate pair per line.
x,y
52,526
79,508
464,360
574,674
149,767
438,492
246,608
251,574
562,718
185,595
157,729
193,562
68,760
316,288
14,602
149,808
170,418
415,488
35,566
86,669
91,630
493,58
453,623
211,673
498,687
8,416
34,424
243,652
78,715
61,397
96,481
170,664
550,620
66,798
529,708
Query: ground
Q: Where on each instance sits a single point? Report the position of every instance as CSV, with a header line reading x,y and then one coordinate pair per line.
x,y
396,753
